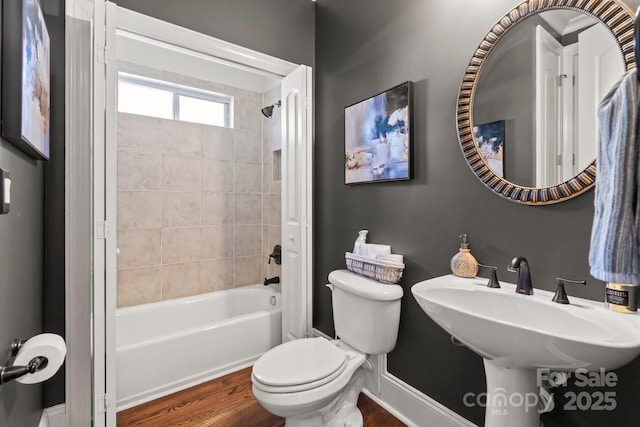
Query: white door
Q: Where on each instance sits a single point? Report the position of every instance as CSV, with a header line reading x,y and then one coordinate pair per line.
x,y
600,66
296,203
548,110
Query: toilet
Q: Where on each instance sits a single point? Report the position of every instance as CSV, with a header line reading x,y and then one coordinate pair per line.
x,y
315,381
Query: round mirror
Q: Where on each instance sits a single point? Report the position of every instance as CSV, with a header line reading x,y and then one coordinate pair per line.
x,y
527,108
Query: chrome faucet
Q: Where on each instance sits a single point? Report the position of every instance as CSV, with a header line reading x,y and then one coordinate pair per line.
x,y
521,265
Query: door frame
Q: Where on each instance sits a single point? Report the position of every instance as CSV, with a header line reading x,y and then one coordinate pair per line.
x,y
545,174
297,210
108,18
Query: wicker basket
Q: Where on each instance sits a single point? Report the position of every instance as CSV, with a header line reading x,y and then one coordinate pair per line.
x,y
374,269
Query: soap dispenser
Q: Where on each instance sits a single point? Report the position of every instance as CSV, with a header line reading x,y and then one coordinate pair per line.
x,y
360,241
464,264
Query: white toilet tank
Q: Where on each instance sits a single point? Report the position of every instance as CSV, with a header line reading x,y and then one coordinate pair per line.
x,y
366,313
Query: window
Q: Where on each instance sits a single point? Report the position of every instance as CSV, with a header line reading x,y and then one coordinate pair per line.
x,y
156,98
148,101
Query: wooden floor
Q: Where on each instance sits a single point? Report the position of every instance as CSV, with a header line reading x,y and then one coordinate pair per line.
x,y
226,402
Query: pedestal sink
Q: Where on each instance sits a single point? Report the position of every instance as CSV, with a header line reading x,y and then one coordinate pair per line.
x,y
518,334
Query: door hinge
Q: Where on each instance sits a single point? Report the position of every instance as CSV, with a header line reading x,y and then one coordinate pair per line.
x,y
559,160
573,159
560,78
103,230
307,103
101,55
104,403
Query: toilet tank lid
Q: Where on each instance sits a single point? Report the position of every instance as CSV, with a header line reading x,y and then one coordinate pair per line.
x,y
364,287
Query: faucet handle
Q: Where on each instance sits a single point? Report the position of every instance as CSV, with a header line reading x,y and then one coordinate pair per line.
x,y
276,255
493,280
561,295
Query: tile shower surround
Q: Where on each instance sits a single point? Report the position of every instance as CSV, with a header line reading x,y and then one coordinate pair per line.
x,y
198,209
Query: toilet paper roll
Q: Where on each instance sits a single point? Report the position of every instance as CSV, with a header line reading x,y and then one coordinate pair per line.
x,y
51,346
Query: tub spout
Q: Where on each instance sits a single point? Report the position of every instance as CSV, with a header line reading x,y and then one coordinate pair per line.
x,y
272,280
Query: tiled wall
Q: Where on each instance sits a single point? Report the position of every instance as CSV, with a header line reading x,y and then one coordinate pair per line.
x,y
197,208
272,193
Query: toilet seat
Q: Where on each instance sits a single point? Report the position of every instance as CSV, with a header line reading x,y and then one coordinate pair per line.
x,y
299,365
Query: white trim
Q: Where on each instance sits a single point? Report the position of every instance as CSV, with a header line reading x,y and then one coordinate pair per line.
x,y
390,409
54,416
110,161
318,333
78,212
546,172
308,200
172,34
151,53
569,126
100,220
296,182
417,406
579,22
79,9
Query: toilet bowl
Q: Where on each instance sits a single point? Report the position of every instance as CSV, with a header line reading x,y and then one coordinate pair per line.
x,y
315,382
306,382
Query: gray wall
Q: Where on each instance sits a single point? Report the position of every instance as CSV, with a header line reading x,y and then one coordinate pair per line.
x,y
23,252
362,48
21,263
281,28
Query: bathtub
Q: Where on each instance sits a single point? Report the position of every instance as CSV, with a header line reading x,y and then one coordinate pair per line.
x,y
171,345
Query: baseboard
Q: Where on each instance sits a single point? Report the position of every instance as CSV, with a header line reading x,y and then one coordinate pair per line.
x,y
390,409
54,416
318,333
417,407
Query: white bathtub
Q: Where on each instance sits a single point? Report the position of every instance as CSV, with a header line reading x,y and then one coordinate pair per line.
x,y
168,346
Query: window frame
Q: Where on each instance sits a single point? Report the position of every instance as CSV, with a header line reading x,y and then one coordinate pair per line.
x,y
178,91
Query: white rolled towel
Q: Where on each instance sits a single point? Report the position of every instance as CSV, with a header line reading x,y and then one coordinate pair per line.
x,y
381,249
372,250
395,258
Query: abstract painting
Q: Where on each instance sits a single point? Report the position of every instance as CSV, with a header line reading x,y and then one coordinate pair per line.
x,y
490,140
35,78
378,137
26,86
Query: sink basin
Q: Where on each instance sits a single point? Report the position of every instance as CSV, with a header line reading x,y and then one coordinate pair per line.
x,y
583,334
517,334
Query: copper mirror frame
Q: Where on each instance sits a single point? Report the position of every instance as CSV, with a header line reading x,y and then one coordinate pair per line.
x,y
618,19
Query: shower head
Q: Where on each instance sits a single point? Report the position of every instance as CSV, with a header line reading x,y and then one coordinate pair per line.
x,y
268,111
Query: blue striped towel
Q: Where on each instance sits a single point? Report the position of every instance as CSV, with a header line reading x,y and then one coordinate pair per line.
x,y
614,254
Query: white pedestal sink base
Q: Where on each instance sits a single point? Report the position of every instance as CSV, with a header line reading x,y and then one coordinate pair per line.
x,y
528,331
512,397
